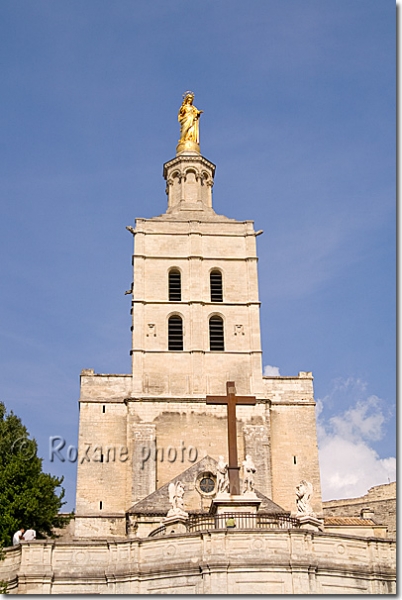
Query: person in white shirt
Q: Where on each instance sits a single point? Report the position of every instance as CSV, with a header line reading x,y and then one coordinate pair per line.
x,y
29,535
18,536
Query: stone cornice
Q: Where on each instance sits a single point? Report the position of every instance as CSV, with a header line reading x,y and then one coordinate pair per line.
x,y
195,399
196,257
197,232
188,158
189,302
199,350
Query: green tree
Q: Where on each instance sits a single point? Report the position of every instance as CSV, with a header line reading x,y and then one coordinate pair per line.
x,y
28,496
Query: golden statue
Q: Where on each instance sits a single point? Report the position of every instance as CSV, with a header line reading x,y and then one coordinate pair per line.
x,y
188,118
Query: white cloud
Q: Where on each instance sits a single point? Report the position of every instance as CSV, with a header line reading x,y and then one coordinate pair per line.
x,y
319,408
349,465
271,371
359,422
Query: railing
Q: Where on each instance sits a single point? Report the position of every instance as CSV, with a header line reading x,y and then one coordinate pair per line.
x,y
234,520
242,521
158,532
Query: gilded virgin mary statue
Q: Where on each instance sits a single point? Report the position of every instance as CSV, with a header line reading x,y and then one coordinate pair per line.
x,y
188,118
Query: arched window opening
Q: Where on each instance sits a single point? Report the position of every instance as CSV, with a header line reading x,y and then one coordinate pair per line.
x,y
175,333
216,286
216,336
174,285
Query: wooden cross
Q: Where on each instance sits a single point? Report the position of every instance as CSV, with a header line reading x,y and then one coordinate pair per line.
x,y
231,400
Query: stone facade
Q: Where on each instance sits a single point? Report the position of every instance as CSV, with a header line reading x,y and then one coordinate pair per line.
x,y
161,406
213,562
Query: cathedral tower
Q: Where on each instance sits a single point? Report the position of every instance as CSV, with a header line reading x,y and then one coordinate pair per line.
x,y
195,326
195,297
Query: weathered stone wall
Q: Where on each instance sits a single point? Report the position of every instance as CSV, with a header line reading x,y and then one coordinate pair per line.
x,y
381,499
99,526
102,458
294,449
147,441
186,432
10,567
103,454
230,562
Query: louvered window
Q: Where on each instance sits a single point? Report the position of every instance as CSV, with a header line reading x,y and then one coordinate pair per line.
x,y
175,333
216,286
216,337
174,286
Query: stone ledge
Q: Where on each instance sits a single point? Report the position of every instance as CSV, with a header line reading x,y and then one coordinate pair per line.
x,y
329,562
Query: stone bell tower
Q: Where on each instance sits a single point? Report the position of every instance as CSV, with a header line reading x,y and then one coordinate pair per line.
x,y
195,295
195,326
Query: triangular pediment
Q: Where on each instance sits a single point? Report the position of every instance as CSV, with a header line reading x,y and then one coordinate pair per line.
x,y
195,500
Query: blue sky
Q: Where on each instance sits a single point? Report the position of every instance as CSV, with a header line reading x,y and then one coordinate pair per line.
x,y
299,117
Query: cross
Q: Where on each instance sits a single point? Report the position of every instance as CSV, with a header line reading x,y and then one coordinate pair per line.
x,y
231,400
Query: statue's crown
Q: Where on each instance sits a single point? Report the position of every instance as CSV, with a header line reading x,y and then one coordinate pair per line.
x,y
188,93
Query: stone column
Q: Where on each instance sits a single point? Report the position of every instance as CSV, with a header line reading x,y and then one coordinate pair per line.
x,y
256,443
144,463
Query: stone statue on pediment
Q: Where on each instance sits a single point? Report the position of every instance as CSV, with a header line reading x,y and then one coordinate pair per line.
x,y
248,474
176,493
222,476
304,492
